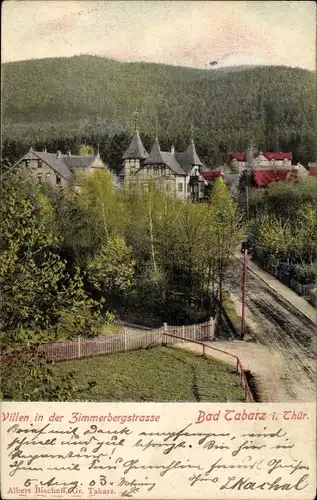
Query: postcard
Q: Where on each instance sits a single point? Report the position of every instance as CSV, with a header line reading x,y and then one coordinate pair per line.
x,y
158,269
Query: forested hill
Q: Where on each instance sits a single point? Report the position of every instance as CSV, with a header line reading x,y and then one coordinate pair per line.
x,y
94,98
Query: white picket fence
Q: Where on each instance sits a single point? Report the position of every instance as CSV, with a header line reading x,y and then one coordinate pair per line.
x,y
126,340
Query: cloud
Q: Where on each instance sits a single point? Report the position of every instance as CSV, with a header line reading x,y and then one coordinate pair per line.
x,y
59,25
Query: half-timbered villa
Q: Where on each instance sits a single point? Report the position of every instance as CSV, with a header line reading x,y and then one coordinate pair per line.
x,y
177,173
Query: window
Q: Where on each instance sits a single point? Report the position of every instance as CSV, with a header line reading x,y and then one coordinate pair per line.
x,y
58,179
40,178
27,163
180,187
48,177
39,164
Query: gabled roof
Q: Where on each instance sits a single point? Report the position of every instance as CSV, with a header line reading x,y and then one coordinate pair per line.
x,y
53,160
155,156
189,158
64,165
136,150
171,161
158,157
179,163
74,162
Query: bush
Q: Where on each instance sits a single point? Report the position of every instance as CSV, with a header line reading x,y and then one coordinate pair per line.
x,y
304,274
313,297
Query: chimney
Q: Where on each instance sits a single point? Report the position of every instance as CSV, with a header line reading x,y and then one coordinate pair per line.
x,y
172,149
58,154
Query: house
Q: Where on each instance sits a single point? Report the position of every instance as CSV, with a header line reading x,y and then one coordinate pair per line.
x,y
261,160
231,177
58,169
260,175
312,169
266,168
177,173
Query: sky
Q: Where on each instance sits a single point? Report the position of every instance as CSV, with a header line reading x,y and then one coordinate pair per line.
x,y
185,33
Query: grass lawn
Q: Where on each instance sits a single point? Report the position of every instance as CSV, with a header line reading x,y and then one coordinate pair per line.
x,y
234,317
156,374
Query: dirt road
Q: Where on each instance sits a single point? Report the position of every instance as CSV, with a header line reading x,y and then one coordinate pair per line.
x,y
287,336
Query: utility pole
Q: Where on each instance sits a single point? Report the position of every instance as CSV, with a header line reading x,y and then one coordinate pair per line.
x,y
244,289
247,198
249,161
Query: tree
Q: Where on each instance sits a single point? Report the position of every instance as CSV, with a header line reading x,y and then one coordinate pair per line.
x,y
284,220
38,298
86,150
112,270
224,231
305,234
275,234
26,375
98,199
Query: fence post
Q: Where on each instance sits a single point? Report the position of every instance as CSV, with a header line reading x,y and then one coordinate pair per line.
x,y
211,328
125,338
164,330
195,332
79,347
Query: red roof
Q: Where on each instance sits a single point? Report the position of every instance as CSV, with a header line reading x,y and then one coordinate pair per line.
x,y
263,178
278,156
238,156
209,175
269,156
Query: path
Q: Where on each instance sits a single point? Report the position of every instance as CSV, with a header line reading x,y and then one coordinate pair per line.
x,y
287,293
266,366
284,333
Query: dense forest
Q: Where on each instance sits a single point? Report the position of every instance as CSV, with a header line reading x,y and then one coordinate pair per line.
x,y
61,103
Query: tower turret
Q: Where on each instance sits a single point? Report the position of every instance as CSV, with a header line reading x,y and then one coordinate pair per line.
x,y
133,157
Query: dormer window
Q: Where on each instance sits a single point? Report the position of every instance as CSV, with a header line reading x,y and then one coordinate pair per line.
x,y
27,163
39,164
40,178
58,180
